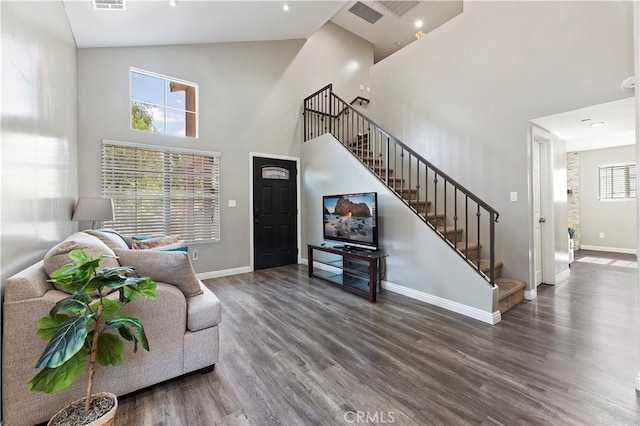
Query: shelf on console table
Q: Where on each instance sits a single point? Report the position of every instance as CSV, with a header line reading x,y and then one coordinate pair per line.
x,y
354,270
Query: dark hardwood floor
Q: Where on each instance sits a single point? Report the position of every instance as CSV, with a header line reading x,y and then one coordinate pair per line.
x,y
297,351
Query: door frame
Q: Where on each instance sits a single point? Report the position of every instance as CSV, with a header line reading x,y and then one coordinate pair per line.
x,y
253,155
537,136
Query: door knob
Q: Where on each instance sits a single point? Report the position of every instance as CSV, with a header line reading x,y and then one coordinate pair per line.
x,y
542,220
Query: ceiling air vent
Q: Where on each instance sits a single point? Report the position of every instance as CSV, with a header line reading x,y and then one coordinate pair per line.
x,y
110,4
365,12
398,7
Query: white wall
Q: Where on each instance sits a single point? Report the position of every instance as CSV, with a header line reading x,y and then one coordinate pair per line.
x,y
38,157
617,219
39,131
419,260
462,95
250,101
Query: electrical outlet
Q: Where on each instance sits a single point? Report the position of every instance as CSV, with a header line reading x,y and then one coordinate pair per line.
x,y
194,255
601,235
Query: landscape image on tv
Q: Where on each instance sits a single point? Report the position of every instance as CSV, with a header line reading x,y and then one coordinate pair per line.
x,y
350,218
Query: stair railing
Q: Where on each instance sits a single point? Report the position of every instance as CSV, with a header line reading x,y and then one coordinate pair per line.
x,y
413,179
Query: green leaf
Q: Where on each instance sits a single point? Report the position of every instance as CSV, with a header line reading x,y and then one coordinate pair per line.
x,y
48,325
110,308
110,350
134,328
54,379
77,303
79,256
65,343
136,287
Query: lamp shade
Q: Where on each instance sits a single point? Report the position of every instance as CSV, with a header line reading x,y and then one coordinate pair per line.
x,y
93,209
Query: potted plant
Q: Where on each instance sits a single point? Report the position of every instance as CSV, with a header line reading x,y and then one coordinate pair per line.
x,y
83,326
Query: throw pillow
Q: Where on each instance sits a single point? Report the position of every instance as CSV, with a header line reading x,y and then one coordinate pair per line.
x,y
153,242
58,255
171,267
111,238
177,246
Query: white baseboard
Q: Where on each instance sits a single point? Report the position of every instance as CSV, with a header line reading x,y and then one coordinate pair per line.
x,y
468,311
223,272
531,294
609,249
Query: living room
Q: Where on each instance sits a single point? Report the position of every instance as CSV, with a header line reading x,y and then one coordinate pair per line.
x,y
60,101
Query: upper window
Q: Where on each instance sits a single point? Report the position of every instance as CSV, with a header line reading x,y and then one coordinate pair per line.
x,y
617,181
163,104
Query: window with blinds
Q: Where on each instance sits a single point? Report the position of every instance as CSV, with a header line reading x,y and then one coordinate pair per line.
x,y
618,181
159,190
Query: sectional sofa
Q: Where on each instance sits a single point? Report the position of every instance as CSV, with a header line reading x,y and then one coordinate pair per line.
x,y
181,325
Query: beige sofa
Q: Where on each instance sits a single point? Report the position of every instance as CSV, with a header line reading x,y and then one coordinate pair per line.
x,y
182,331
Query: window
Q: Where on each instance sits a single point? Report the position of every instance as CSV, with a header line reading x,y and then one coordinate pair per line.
x,y
158,190
617,181
163,104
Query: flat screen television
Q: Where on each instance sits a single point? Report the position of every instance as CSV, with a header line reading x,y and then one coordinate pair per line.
x,y
351,219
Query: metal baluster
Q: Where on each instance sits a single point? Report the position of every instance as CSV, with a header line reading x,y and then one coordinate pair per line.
x,y
435,197
492,254
455,214
445,209
479,214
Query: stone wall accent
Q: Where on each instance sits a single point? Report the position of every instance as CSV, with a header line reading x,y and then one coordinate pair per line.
x,y
573,195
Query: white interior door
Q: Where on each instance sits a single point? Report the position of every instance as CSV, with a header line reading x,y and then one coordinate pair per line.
x,y
537,201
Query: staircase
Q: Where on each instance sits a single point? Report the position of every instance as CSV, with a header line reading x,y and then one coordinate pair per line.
x,y
439,201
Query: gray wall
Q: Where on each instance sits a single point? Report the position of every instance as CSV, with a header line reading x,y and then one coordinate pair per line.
x,y
617,219
463,94
250,101
418,258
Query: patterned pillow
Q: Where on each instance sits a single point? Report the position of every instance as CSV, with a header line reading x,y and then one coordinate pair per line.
x,y
150,243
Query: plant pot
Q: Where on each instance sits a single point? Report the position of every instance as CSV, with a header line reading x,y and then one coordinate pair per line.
x,y
106,419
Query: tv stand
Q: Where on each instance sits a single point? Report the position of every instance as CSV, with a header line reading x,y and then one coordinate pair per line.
x,y
354,270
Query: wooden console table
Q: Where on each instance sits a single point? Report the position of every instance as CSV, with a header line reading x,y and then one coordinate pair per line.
x,y
355,270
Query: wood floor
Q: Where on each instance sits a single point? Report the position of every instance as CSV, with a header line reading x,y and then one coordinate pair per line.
x,y
297,351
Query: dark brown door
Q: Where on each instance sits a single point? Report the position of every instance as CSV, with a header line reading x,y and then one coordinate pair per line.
x,y
275,235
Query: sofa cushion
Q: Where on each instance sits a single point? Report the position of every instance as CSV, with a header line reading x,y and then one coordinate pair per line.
x,y
58,255
171,267
111,238
203,311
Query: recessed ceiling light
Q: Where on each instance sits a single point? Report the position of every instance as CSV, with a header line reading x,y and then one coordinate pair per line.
x,y
597,124
285,7
398,43
173,3
419,23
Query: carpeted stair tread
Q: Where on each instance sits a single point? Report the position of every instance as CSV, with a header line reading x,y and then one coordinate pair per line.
x,y
511,292
509,286
485,265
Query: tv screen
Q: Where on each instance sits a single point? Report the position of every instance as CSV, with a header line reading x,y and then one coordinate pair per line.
x,y
351,219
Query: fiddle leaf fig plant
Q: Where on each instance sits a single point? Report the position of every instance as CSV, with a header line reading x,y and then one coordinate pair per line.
x,y
84,324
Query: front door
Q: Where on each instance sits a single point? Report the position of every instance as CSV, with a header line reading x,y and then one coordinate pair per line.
x,y
275,202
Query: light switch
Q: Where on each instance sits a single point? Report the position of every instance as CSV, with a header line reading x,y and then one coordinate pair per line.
x,y
514,196
232,203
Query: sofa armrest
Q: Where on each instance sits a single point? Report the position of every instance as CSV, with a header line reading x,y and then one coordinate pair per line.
x,y
30,283
203,310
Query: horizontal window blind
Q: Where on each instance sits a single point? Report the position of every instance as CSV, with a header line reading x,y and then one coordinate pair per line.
x,y
618,181
157,190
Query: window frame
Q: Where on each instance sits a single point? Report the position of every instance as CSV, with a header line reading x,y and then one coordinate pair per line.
x,y
166,197
630,182
166,79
